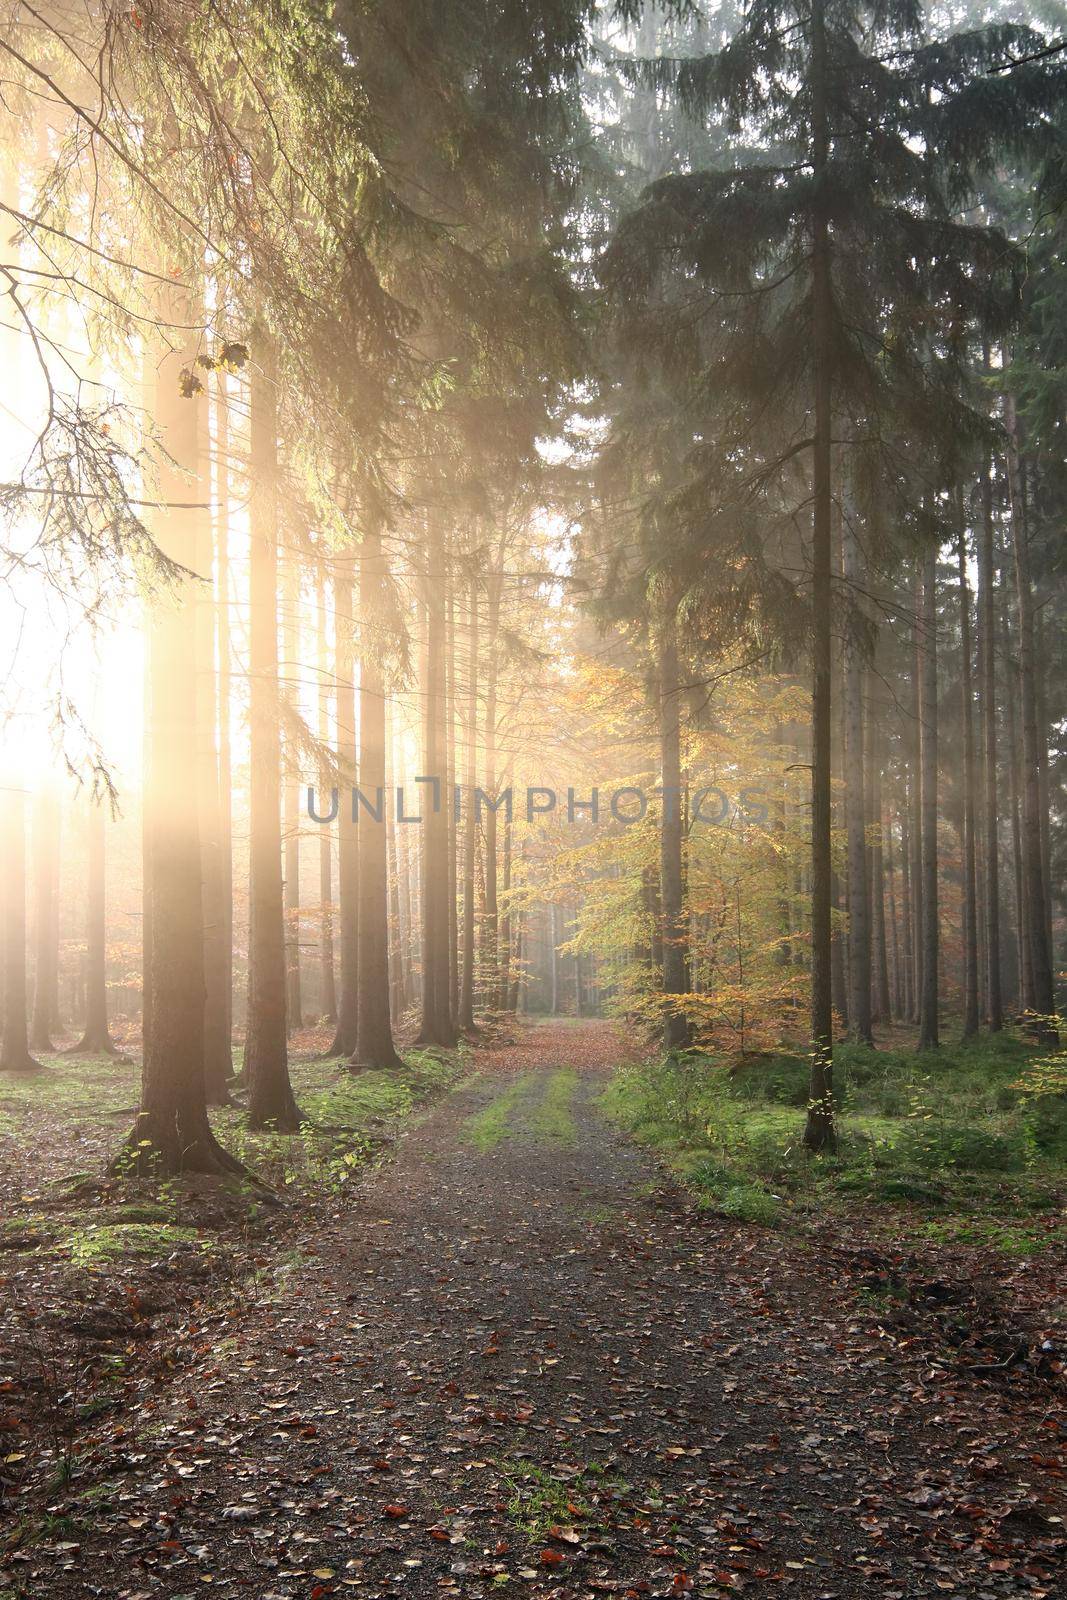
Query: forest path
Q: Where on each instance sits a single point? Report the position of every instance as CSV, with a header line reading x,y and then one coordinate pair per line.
x,y
524,1360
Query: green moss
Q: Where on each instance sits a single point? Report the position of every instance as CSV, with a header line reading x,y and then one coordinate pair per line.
x,y
109,1241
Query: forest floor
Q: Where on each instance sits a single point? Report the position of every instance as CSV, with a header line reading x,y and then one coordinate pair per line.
x,y
519,1357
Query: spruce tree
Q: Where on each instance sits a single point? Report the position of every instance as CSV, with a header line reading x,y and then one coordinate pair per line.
x,y
829,288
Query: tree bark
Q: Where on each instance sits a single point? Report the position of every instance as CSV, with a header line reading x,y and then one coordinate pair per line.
x,y
470,836
218,1059
436,1023
970,878
859,936
881,999
270,1095
327,981
675,1022
819,1132
96,1039
345,1033
987,633
223,646
928,731
45,931
14,1045
1043,1003
289,672
374,1034
171,1132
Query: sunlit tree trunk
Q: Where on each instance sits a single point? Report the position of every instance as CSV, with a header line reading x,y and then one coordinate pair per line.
x,y
675,1022
270,1095
436,1022
45,931
374,1036
14,1043
327,981
490,929
96,1038
290,671
470,834
172,1132
218,1060
224,651
504,987
452,826
344,1039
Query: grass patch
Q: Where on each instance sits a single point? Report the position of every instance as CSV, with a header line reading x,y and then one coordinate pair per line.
x,y
537,1499
957,1139
552,1118
493,1123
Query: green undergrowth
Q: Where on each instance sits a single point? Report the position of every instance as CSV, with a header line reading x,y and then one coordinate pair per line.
x,y
349,1118
969,1142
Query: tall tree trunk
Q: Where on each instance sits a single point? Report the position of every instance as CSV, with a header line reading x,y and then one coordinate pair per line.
x,y
470,836
675,1021
345,1034
374,1034
859,935
448,800
1044,999
504,988
897,1007
928,994
14,1044
970,878
270,1095
909,1010
987,633
171,1132
397,978
218,1059
1023,980
436,1023
289,673
45,930
490,920
819,1132
915,827
224,649
881,1000
327,981
96,1039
